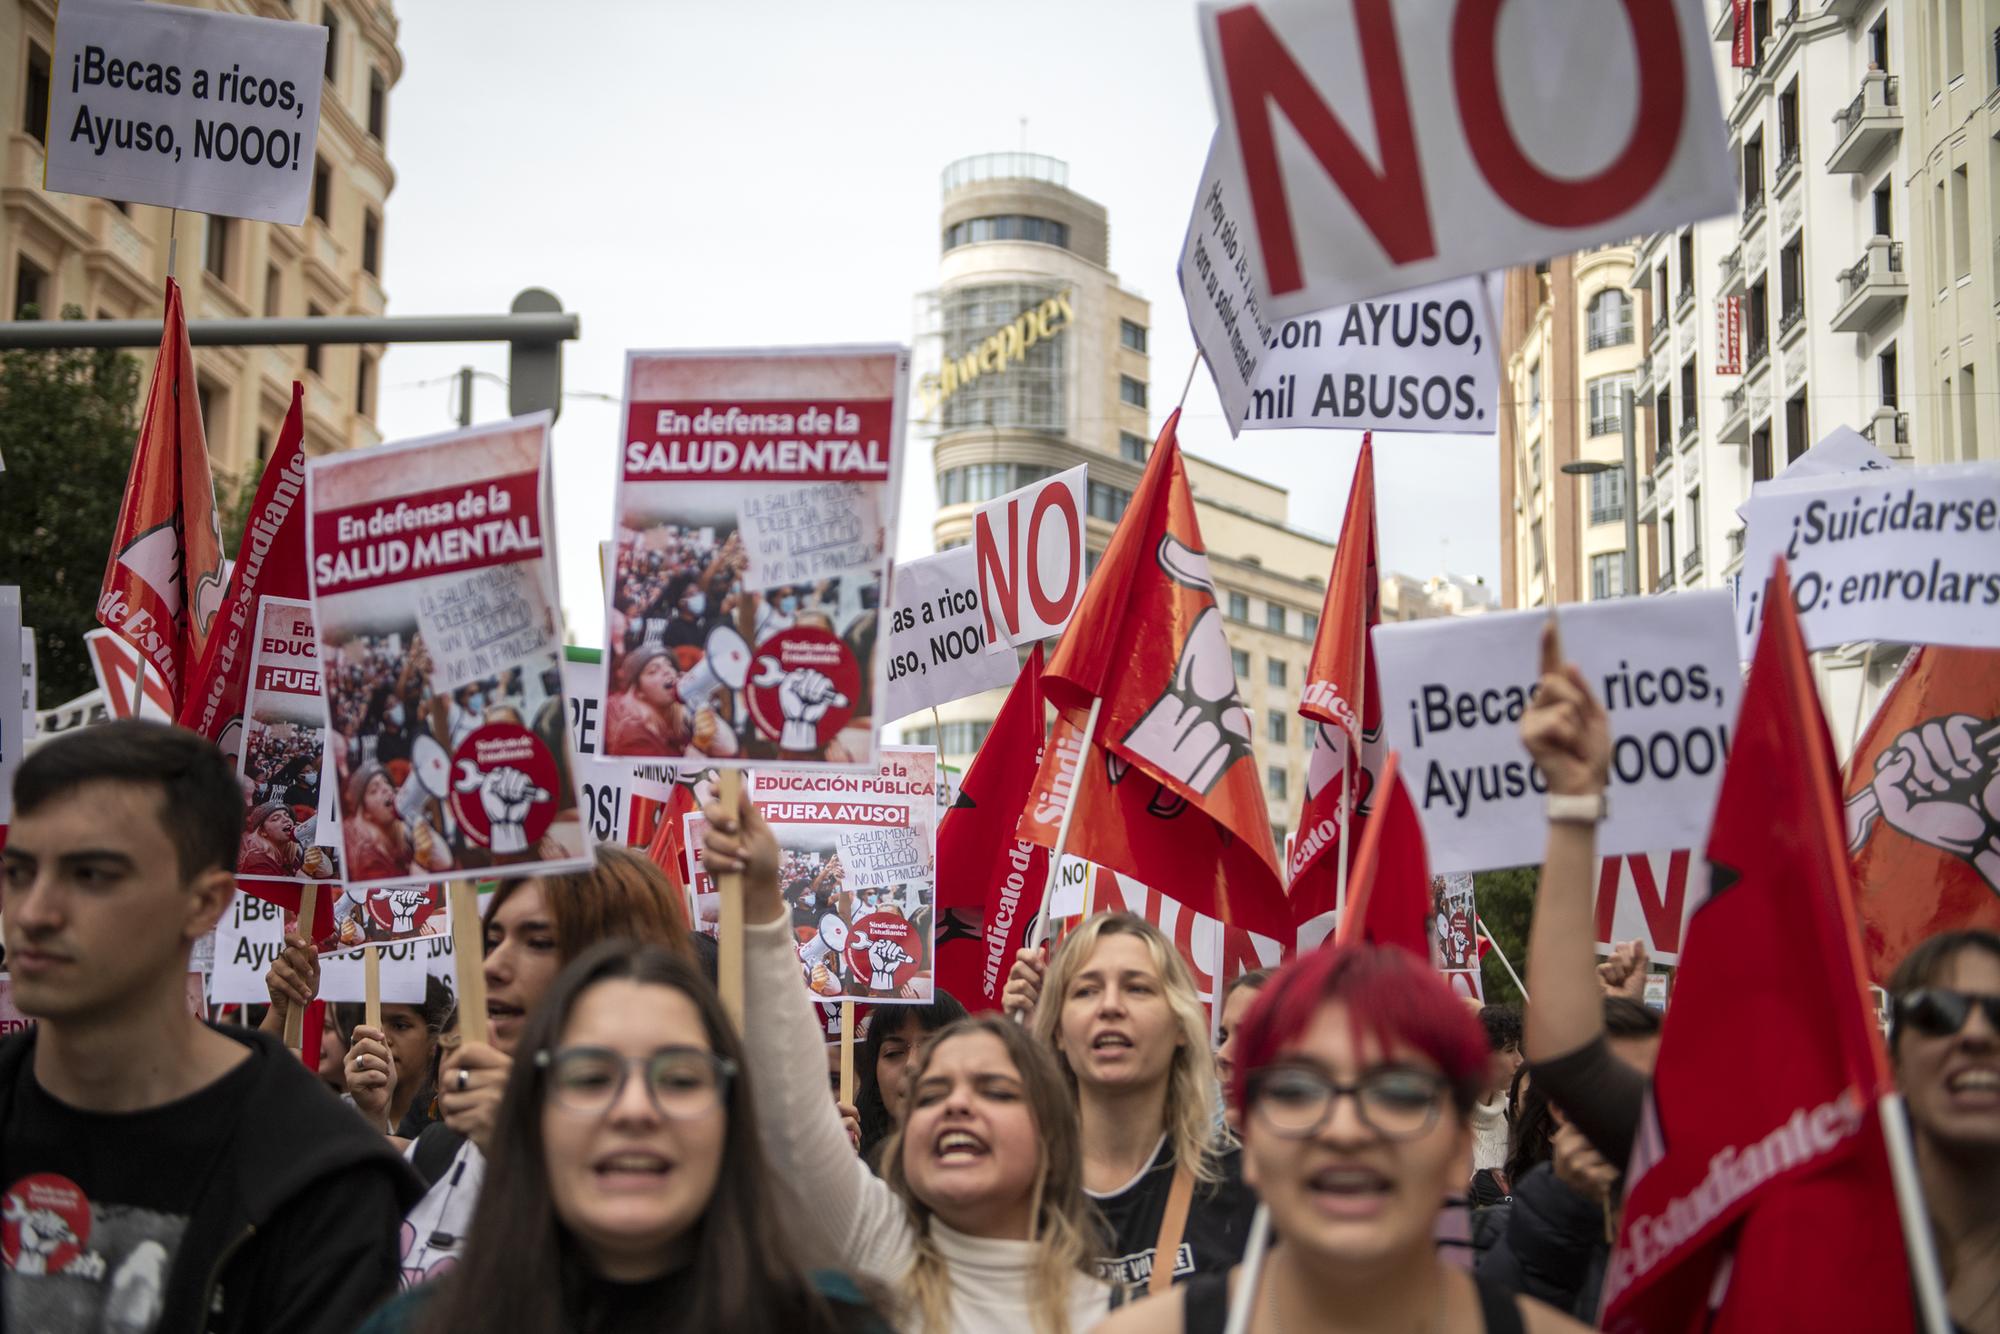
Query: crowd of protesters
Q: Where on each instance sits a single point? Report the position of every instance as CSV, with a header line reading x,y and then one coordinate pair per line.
x,y
613,1154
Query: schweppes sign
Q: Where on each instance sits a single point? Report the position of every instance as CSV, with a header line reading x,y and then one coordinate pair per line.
x,y
999,350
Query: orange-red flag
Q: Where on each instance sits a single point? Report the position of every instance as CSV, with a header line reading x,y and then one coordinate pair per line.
x,y
1768,1198
1923,804
1170,783
1389,892
163,581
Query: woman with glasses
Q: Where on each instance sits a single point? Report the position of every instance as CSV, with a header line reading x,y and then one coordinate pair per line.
x,y
626,1189
1356,1072
1944,1041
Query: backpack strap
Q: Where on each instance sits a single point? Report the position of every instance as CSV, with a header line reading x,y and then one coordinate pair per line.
x,y
1173,1223
1499,1308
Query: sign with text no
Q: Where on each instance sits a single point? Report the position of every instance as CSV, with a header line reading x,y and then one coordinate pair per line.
x,y
1425,141
1028,546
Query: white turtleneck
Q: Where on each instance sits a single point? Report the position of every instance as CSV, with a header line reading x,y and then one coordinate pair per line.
x,y
1489,1133
842,1216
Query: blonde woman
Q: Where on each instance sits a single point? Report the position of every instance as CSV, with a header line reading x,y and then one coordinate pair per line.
x,y
980,1225
1119,1009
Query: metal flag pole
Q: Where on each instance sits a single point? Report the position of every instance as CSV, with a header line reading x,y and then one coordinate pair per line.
x,y
1921,1246
1501,954
1254,1252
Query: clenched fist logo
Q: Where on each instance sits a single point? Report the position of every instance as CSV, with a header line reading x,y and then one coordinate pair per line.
x,y
885,957
403,906
1938,783
505,794
804,696
1199,728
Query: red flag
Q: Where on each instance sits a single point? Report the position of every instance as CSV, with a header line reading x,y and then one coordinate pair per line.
x,y
668,849
1923,804
1343,704
163,581
1389,893
270,562
990,880
1784,1178
1171,781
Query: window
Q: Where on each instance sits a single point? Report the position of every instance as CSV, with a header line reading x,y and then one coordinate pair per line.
x,y
371,245
1534,391
1968,416
263,445
1961,225
323,192
1240,661
364,385
1607,403
1954,39
1609,319
1690,417
1239,606
1535,466
1132,391
1007,227
1132,335
1939,254
28,283
1687,266
1309,624
204,400
215,254
1694,523
332,22
1663,421
1090,559
1607,496
1797,441
1788,126
1760,455
1885,374
1535,540
1757,323
35,96
1108,502
1667,566
1753,172
1607,576
1274,617
986,481
1131,446
1274,672
1792,282
1274,725
1884,215
378,105
313,350
274,291
1878,44
1274,779
1030,393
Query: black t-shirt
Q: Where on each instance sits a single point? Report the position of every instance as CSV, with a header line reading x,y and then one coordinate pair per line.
x,y
1218,1223
96,1203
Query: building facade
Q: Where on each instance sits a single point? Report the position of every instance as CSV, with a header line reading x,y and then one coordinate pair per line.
x,y
1016,239
109,260
1569,347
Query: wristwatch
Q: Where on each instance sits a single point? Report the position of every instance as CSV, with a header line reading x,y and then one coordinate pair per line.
x,y
1575,809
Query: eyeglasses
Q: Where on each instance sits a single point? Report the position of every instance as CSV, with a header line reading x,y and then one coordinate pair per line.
x,y
1940,1013
1396,1103
683,1082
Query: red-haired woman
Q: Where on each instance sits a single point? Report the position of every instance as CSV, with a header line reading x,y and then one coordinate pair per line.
x,y
1356,1072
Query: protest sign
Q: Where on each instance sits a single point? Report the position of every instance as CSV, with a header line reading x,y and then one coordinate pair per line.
x,y
439,628
28,683
755,514
86,710
283,761
1647,897
1911,556
1454,691
1455,934
115,663
248,940
613,792
343,976
860,933
1424,360
185,108
1581,123
1843,450
13,731
1029,552
252,931
937,636
1204,944
11,1019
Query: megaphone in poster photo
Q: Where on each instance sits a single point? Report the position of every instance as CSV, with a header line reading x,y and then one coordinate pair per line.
x,y
724,665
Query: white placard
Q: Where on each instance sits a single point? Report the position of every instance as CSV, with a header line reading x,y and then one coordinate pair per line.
x,y
1910,556
14,728
28,684
344,976
1029,553
1071,896
1421,142
1454,691
803,534
185,108
1649,897
937,637
248,940
1420,361
873,858
605,787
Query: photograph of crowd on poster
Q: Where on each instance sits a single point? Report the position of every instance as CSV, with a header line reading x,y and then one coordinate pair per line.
x,y
283,759
440,635
1455,931
755,513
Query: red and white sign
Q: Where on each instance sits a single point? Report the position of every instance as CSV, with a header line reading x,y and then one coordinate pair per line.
x,y
114,661
1029,548
1647,897
1421,142
1742,42
1729,335
294,825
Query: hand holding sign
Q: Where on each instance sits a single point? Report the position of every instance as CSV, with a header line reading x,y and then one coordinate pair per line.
x,y
1565,728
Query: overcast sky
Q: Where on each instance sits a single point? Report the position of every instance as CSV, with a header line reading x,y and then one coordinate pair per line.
x,y
765,172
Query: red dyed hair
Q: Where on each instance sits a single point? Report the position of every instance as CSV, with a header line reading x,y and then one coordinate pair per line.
x,y
1390,996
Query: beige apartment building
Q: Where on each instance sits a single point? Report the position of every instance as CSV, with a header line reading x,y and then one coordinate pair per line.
x,y
1568,350
1014,237
110,259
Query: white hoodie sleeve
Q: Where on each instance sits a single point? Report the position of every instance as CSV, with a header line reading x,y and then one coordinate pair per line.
x,y
841,1213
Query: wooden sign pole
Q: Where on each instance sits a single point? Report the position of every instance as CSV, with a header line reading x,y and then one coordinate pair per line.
x,y
468,953
729,920
295,1017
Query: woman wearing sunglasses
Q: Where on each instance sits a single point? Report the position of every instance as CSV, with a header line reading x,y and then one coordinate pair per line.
x,y
1945,1045
625,1189
1356,1073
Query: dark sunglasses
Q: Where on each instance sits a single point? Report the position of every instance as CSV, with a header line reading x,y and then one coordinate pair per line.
x,y
1941,1013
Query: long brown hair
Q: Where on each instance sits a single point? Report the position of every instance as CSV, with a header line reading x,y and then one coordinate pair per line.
x,y
625,894
524,1270
1066,1225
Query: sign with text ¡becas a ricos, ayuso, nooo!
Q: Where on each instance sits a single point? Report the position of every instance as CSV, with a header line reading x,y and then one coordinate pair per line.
x,y
185,108
1454,691
1429,141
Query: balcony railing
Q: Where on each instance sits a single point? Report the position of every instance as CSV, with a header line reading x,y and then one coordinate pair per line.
x,y
1867,124
1758,353
1609,424
1665,583
1732,267
1788,162
1614,337
1790,319
1854,277
1873,287
1845,119
1685,299
1660,327
1691,563
1690,428
1753,210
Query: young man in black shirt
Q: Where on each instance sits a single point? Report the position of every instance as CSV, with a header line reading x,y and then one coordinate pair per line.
x,y
157,1173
